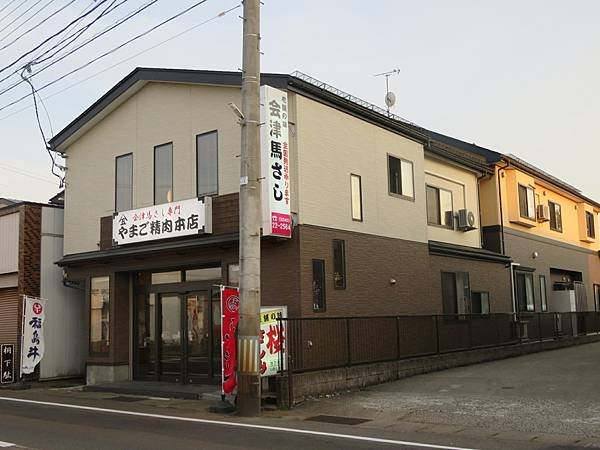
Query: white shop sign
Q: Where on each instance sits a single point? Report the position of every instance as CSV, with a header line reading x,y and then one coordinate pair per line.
x,y
169,220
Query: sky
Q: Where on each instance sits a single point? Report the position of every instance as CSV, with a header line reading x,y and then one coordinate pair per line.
x,y
520,77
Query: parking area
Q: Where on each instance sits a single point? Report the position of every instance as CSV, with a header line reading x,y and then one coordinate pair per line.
x,y
551,397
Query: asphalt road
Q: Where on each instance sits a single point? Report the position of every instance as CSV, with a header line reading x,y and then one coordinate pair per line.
x,y
53,427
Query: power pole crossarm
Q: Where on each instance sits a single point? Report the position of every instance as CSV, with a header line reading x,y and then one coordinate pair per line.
x,y
250,217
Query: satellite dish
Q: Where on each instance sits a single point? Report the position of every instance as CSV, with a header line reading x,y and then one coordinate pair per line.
x,y
390,99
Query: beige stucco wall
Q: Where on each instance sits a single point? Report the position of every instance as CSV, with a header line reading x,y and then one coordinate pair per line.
x,y
331,146
463,185
157,114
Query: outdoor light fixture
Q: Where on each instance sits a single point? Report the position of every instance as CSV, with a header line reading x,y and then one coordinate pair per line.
x,y
236,110
392,281
535,255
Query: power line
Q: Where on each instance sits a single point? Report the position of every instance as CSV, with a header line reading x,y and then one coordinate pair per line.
x,y
36,25
20,58
25,173
7,5
16,7
129,58
74,37
27,20
109,52
19,16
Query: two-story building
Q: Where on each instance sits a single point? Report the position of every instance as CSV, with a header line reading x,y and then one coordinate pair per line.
x,y
386,220
550,229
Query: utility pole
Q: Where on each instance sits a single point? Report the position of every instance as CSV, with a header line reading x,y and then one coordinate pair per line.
x,y
250,217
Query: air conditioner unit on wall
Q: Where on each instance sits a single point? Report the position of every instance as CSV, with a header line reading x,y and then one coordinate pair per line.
x,y
466,220
543,213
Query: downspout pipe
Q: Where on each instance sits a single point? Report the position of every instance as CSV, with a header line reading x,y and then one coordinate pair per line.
x,y
503,246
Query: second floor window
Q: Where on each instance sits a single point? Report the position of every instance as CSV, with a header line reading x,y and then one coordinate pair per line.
x,y
526,202
207,164
400,177
439,207
590,225
163,173
356,194
555,216
124,183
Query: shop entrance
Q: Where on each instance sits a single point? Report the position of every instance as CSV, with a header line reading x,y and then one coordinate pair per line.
x,y
178,333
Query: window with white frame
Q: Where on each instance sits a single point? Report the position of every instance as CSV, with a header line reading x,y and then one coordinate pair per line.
x,y
400,177
527,202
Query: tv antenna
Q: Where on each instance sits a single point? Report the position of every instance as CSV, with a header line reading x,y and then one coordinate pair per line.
x,y
390,97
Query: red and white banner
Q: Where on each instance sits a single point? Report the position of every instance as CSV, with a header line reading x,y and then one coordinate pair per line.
x,y
230,305
32,350
275,163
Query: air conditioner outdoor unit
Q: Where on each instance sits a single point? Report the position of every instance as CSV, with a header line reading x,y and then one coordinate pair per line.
x,y
543,213
466,220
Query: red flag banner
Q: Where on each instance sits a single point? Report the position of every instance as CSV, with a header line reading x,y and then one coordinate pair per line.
x,y
230,304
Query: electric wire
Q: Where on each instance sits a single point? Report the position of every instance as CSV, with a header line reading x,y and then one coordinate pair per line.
x,y
10,13
7,5
37,47
19,16
27,20
37,25
25,173
109,52
129,58
73,37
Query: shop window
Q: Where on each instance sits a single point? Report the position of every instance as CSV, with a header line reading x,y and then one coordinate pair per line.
x,y
400,177
207,169
480,303
166,277
100,315
233,274
555,216
590,225
339,264
440,211
318,284
524,291
356,193
543,293
526,202
124,182
456,292
163,174
206,274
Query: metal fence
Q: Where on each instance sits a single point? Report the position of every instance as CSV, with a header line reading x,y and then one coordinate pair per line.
x,y
325,343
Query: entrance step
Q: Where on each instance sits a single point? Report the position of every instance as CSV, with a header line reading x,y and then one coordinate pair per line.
x,y
157,389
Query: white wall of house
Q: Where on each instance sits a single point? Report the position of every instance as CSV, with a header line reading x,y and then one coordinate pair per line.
x,y
65,336
9,245
463,185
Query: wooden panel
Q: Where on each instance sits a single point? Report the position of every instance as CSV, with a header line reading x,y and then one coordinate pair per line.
x,y
106,232
9,316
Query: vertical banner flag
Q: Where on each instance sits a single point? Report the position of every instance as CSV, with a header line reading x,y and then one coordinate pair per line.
x,y
230,305
272,340
32,350
275,164
7,363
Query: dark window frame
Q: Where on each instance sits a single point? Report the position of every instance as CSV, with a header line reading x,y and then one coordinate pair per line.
x,y
526,274
557,219
154,171
525,214
318,275
543,293
466,294
339,283
107,352
482,314
412,172
116,180
362,215
216,192
590,225
596,290
441,223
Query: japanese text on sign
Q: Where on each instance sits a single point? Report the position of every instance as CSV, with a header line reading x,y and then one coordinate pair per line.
x,y
7,363
272,340
32,350
168,220
277,220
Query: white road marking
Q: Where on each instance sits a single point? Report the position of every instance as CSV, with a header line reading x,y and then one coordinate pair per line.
x,y
6,444
235,424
